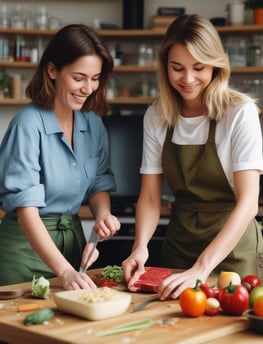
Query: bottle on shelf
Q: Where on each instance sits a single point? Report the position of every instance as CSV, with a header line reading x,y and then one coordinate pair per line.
x,y
16,86
17,19
4,17
42,18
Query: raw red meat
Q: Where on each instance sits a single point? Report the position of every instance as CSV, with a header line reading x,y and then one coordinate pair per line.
x,y
150,279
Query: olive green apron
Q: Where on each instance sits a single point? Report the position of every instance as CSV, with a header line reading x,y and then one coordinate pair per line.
x,y
19,262
203,202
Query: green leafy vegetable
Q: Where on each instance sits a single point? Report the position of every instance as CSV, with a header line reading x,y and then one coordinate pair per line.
x,y
40,287
113,273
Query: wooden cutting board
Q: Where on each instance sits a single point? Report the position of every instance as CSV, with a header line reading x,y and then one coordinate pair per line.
x,y
64,328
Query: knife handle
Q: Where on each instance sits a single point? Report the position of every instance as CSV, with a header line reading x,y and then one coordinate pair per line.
x,y
144,304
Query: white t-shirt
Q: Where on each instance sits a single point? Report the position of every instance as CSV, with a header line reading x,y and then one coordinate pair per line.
x,y
238,139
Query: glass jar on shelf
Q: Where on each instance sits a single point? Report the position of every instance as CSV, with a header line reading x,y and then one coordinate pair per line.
x,y
146,55
42,18
4,16
236,49
255,51
17,19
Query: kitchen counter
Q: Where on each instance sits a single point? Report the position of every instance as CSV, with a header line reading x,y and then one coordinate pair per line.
x,y
67,329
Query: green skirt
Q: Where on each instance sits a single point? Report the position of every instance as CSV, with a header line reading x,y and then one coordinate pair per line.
x,y
19,262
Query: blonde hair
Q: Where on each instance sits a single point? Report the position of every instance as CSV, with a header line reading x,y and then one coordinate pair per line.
x,y
204,44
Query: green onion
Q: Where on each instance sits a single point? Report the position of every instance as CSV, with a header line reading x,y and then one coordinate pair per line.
x,y
128,327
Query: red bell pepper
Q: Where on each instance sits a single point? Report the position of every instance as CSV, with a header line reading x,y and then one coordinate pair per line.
x,y
234,299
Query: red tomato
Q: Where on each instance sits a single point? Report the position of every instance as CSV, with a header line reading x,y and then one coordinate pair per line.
x,y
193,301
234,299
209,291
105,282
252,281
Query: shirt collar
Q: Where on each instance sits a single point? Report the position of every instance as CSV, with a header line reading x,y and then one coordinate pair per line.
x,y
51,124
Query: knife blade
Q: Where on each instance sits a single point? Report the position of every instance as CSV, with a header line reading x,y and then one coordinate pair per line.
x,y
93,239
144,304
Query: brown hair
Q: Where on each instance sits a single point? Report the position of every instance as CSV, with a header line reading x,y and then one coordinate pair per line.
x,y
66,46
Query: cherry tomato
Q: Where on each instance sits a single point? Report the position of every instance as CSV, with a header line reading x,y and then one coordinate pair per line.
x,y
209,291
251,281
258,306
193,301
234,299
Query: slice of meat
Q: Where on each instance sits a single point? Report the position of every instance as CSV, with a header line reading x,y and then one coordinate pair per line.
x,y
150,279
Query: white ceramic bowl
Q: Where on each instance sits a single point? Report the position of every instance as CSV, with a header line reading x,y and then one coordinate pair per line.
x,y
95,304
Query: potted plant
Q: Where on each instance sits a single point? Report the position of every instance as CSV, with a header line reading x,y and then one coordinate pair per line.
x,y
257,7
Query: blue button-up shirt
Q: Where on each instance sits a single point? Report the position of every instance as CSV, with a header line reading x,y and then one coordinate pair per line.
x,y
39,168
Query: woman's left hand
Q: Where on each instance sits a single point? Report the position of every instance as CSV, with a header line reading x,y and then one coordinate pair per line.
x,y
173,285
74,280
106,226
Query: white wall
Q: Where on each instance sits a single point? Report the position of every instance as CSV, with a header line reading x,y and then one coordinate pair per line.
x,y
109,11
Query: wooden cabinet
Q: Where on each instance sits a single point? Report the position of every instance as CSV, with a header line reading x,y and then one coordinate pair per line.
x,y
128,71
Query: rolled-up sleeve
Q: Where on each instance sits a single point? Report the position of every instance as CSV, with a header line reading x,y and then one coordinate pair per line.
x,y
19,169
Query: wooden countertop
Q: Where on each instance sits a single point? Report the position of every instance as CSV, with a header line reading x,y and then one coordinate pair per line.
x,y
67,329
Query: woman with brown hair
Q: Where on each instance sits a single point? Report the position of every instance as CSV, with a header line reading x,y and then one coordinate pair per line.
x,y
54,156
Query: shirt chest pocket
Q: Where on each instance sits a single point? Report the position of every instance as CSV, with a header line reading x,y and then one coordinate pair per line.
x,y
90,167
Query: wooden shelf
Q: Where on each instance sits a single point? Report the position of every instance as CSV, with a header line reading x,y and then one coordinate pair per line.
x,y
33,32
135,69
158,32
118,69
16,64
240,29
129,68
136,33
115,101
130,100
247,69
13,101
120,35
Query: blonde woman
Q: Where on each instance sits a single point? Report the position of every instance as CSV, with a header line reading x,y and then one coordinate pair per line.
x,y
204,138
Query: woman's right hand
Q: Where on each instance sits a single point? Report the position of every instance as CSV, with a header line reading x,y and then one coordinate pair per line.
x,y
133,266
74,280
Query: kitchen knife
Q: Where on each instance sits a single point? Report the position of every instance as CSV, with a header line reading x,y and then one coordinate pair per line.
x,y
144,304
93,239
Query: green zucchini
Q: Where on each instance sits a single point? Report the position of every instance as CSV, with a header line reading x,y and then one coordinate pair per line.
x,y
39,317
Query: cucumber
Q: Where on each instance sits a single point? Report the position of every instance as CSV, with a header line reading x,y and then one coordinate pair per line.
x,y
39,317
